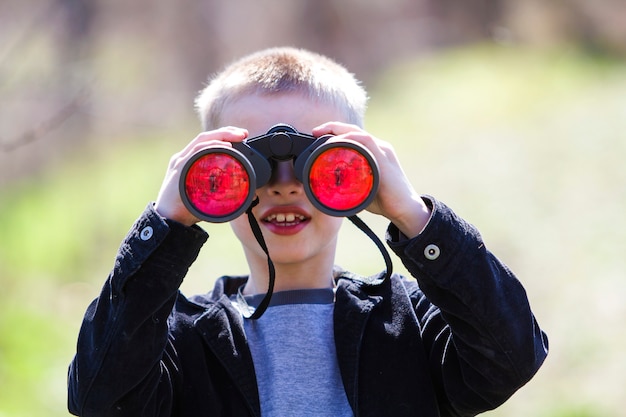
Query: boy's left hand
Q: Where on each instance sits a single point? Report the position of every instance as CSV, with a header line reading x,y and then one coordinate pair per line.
x,y
396,199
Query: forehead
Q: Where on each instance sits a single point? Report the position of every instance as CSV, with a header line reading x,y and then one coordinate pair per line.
x,y
259,112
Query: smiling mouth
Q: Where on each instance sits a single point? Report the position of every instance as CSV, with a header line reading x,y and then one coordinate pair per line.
x,y
285,219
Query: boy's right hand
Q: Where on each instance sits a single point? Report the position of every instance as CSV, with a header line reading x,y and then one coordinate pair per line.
x,y
168,203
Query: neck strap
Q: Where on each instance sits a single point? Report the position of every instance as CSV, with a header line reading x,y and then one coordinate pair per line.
x,y
254,314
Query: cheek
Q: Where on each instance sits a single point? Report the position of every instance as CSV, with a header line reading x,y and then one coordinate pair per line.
x,y
332,224
338,222
241,228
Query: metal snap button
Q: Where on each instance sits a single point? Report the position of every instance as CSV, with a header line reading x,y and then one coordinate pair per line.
x,y
432,252
146,233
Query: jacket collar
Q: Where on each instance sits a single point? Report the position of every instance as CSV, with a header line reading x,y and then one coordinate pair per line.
x,y
353,306
221,327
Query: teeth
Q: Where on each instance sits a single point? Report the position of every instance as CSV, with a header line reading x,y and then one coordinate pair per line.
x,y
284,217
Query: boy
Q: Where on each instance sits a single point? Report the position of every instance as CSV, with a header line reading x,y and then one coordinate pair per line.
x,y
457,339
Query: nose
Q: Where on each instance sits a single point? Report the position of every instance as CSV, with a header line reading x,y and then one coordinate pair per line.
x,y
283,181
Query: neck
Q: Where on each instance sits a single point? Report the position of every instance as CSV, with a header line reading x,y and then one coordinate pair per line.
x,y
290,277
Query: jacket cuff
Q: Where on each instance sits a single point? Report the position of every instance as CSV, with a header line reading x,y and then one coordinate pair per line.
x,y
440,247
177,244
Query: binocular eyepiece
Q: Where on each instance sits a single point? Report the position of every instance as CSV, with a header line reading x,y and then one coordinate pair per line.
x,y
340,178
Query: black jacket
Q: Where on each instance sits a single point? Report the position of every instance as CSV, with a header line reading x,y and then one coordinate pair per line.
x,y
458,340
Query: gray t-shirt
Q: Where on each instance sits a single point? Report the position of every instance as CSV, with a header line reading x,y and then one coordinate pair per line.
x,y
295,361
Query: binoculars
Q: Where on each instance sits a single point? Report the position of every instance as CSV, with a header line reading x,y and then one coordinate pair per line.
x,y
340,178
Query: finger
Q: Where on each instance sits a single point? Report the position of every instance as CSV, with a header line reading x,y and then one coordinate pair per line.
x,y
214,138
335,128
224,134
348,132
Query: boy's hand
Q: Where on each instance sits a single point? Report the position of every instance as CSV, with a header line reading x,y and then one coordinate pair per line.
x,y
169,203
396,199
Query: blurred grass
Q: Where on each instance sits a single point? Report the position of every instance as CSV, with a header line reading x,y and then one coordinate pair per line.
x,y
526,144
529,146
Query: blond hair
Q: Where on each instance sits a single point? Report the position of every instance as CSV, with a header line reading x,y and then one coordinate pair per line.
x,y
283,70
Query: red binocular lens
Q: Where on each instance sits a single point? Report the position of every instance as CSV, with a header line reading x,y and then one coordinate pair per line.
x,y
217,184
339,178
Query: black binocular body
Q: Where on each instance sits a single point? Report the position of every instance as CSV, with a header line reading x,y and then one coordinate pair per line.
x,y
340,178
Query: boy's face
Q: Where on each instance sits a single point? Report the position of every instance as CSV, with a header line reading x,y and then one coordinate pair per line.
x,y
295,232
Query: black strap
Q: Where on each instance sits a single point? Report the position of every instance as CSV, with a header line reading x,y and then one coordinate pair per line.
x,y
356,220
256,230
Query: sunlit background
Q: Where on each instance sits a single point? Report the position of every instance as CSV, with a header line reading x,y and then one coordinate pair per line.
x,y
513,112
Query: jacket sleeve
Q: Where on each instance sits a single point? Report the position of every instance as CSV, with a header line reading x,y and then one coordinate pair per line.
x,y
123,350
482,339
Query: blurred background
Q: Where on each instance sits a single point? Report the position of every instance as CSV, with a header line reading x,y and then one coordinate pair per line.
x,y
513,112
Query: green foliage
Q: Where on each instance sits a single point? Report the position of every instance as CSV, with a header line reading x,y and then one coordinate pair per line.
x,y
59,236
528,145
